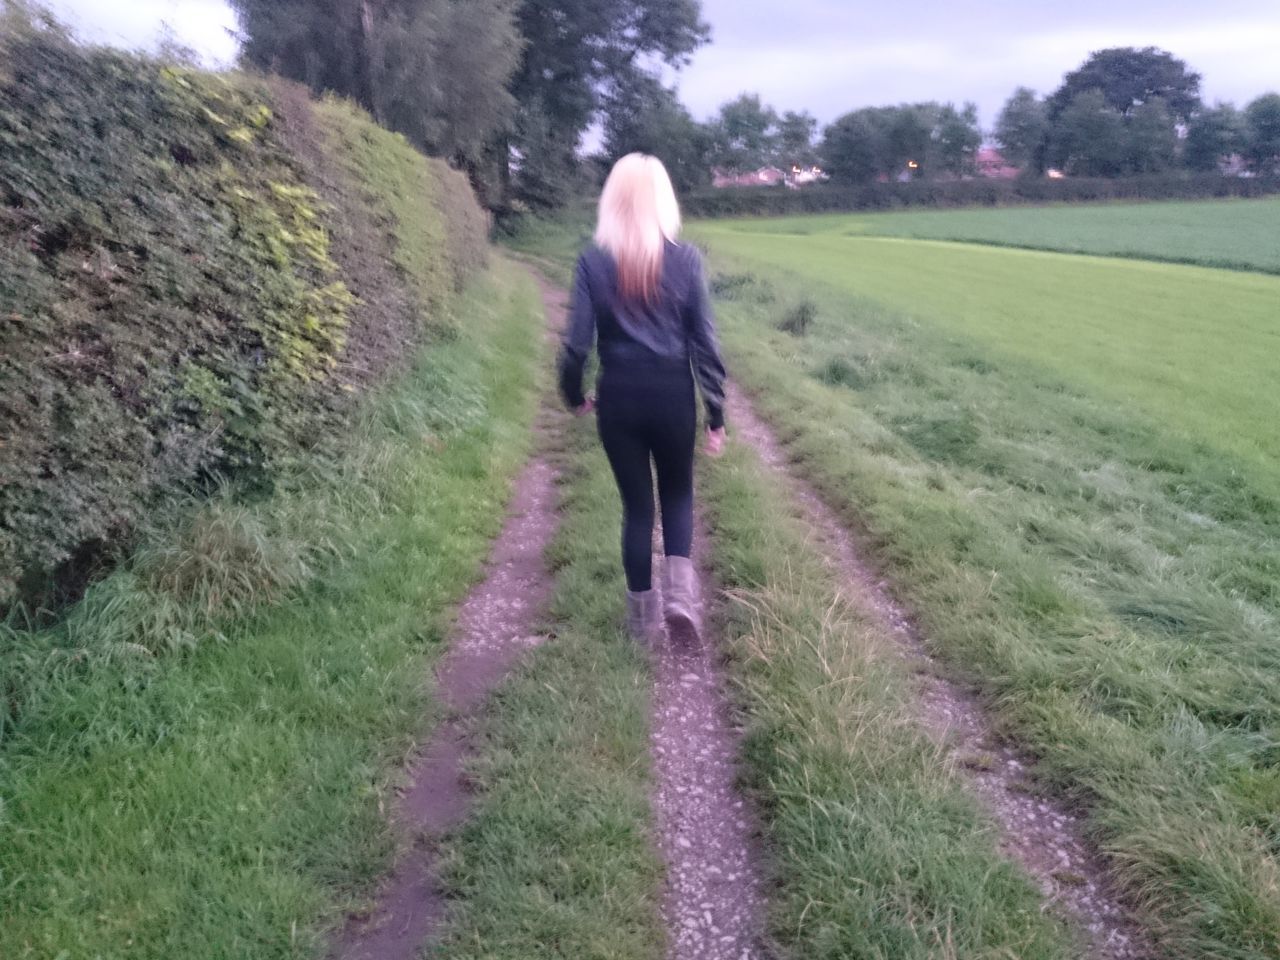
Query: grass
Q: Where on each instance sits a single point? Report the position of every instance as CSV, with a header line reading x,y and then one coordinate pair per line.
x,y
876,848
228,799
1197,349
1103,569
557,860
1238,234
1110,584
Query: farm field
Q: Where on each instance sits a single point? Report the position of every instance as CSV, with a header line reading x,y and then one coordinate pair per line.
x,y
1240,234
1067,465
1196,349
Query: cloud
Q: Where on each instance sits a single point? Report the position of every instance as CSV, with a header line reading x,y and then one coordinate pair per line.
x,y
204,25
830,56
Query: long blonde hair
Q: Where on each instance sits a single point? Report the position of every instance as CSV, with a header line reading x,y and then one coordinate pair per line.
x,y
638,216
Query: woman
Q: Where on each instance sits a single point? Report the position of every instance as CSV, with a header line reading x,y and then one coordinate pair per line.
x,y
642,297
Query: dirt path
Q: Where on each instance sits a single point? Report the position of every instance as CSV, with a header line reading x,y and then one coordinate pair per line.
x,y
713,905
495,627
1043,836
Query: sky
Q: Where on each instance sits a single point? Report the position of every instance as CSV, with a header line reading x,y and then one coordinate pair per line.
x,y
831,56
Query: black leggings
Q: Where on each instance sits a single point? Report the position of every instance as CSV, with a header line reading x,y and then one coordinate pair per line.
x,y
649,411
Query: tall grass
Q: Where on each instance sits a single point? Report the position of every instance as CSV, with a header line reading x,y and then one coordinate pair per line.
x,y
876,848
198,763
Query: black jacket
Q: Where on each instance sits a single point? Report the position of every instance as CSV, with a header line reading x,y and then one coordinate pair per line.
x,y
677,325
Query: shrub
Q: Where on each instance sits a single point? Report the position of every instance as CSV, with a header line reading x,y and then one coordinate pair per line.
x,y
797,319
741,286
172,309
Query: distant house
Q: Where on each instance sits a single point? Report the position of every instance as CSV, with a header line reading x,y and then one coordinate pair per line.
x,y
764,177
1234,165
803,176
991,163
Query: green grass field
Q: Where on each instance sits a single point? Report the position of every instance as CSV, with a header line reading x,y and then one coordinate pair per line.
x,y
1068,466
1240,234
1196,349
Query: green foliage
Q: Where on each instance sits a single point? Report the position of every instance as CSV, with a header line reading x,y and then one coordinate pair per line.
x,y
1128,77
743,134
881,141
435,70
1263,144
1088,138
794,142
171,307
1022,127
1213,135
647,117
576,53
439,232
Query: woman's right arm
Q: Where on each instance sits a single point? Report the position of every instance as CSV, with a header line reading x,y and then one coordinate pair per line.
x,y
579,336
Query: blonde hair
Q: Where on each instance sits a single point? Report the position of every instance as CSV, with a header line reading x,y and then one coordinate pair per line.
x,y
638,216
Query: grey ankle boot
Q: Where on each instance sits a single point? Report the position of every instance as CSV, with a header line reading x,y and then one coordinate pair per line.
x,y
680,593
644,616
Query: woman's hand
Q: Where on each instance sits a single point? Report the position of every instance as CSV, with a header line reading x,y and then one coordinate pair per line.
x,y
588,405
715,442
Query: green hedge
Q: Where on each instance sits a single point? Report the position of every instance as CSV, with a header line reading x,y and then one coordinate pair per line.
x,y
827,198
171,309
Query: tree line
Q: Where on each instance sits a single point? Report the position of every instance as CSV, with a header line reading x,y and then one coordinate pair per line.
x,y
505,89
501,88
1124,111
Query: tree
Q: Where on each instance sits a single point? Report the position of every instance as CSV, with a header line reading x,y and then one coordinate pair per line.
x,y
1089,137
744,134
1127,77
1262,117
957,138
794,142
578,53
1022,127
1151,137
435,70
649,118
1212,135
910,139
855,146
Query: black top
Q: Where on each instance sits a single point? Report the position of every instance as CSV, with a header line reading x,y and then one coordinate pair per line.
x,y
677,325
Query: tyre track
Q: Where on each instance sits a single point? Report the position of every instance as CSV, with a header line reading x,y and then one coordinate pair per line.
x,y
1042,835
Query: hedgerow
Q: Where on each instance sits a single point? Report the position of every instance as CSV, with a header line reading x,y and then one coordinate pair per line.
x,y
833,198
172,311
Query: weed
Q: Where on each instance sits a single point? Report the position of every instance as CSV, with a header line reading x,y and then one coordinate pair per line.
x,y
796,321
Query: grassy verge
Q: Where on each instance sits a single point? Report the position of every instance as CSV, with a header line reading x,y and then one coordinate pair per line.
x,y
1110,587
214,802
877,850
557,860
1238,234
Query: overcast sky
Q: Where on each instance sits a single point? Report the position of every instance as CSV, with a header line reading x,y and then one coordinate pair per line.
x,y
829,56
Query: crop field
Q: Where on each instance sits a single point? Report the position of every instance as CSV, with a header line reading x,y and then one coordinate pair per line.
x,y
1239,234
1069,468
